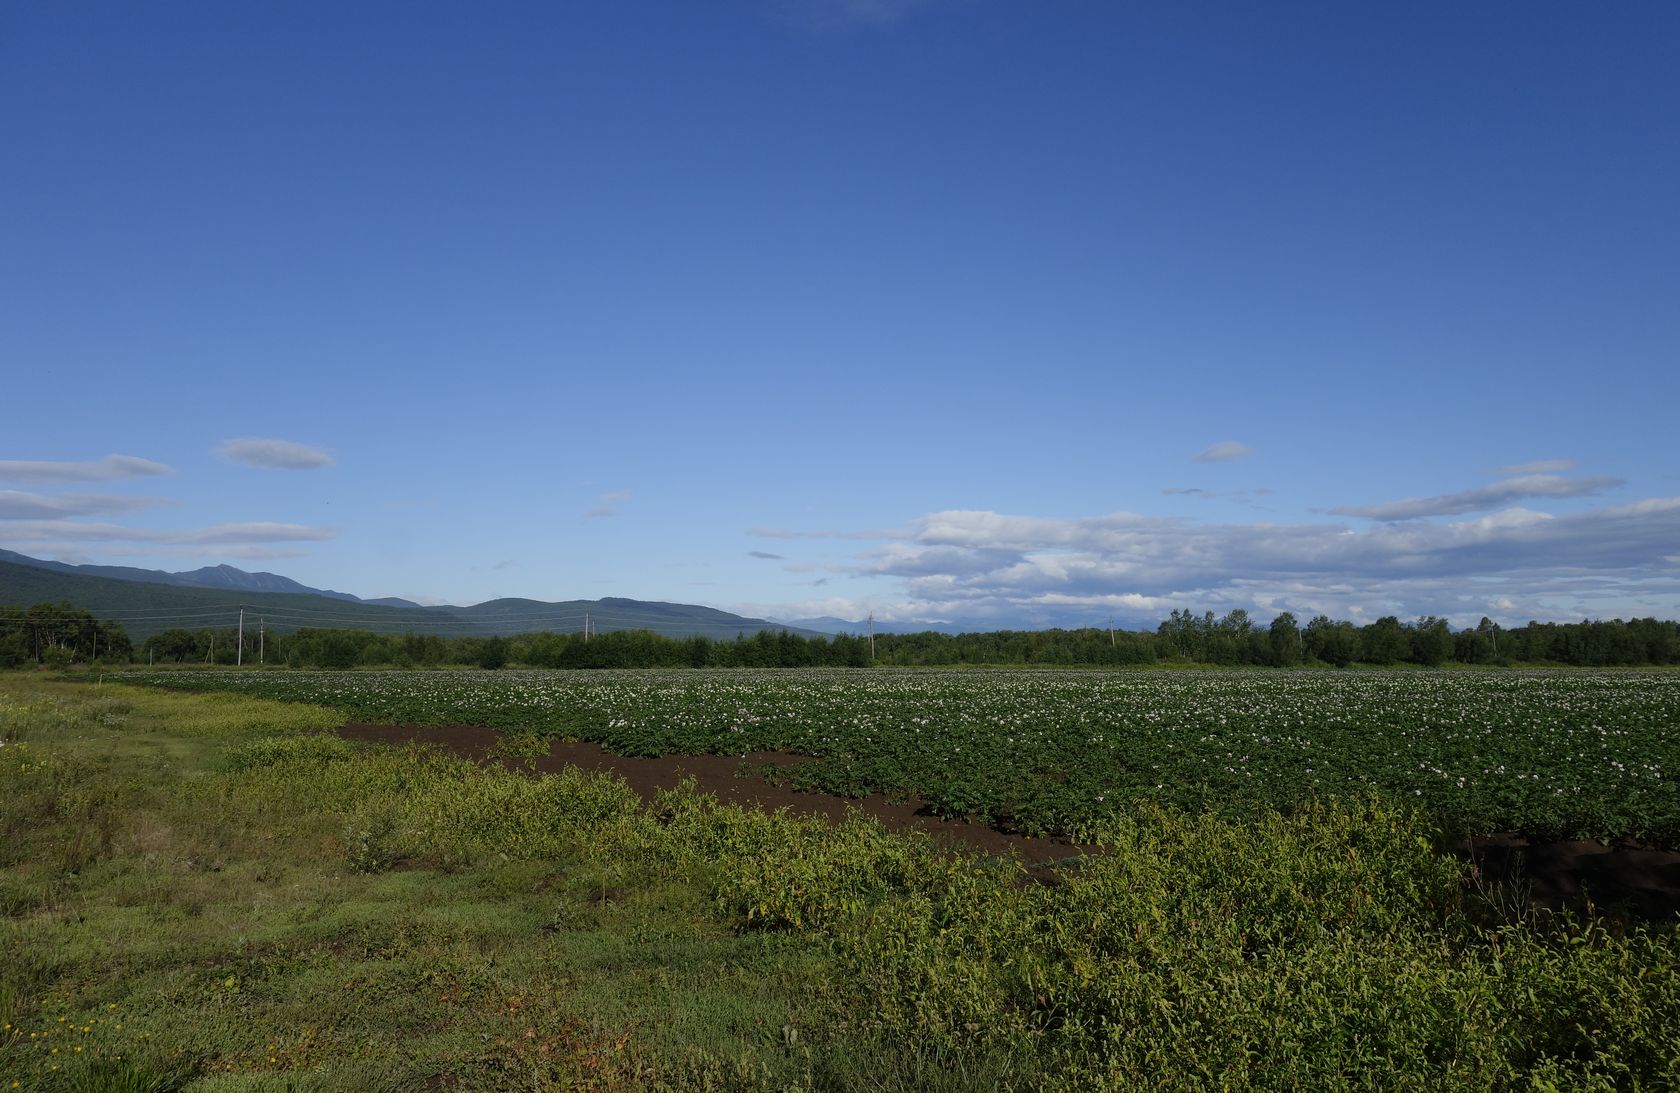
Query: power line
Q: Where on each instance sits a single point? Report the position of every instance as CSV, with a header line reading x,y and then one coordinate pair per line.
x,y
96,617
118,616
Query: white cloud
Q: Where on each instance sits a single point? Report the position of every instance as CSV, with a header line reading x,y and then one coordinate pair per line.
x,y
1224,452
1538,466
110,468
1484,497
271,454
18,505
969,564
765,554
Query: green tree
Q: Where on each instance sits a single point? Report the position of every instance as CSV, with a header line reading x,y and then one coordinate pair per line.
x,y
1284,639
1332,642
1432,641
493,653
1384,641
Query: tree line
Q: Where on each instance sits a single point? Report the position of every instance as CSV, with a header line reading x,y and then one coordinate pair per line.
x,y
58,634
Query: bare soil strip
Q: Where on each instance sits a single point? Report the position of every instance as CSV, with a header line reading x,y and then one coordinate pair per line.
x,y
1582,874
1628,879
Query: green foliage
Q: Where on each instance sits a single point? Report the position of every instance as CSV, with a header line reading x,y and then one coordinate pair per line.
x,y
496,930
522,746
58,635
1334,643
1549,753
1284,638
369,846
493,653
288,753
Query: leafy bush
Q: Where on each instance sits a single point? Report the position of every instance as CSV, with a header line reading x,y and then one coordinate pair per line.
x,y
369,843
288,752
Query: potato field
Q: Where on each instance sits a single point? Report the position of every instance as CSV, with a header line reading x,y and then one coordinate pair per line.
x,y
1559,754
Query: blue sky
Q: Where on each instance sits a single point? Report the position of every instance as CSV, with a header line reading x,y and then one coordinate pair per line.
x,y
971,309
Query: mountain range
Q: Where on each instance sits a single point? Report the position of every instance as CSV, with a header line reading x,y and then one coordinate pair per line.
x,y
210,576
149,601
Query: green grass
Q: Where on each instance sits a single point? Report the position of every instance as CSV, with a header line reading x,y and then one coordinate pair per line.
x,y
204,892
196,922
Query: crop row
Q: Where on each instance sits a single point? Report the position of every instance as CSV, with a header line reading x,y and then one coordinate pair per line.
x,y
1566,753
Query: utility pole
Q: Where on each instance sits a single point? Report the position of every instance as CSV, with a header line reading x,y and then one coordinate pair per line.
x,y
262,632
872,635
239,658
1111,631
586,628
210,657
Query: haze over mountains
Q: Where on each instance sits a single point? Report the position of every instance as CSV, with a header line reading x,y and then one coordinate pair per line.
x,y
149,601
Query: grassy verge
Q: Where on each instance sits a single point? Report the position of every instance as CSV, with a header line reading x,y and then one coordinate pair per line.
x,y
201,892
191,900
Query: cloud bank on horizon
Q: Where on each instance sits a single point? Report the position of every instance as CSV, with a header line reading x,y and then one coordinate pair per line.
x,y
1024,569
979,565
